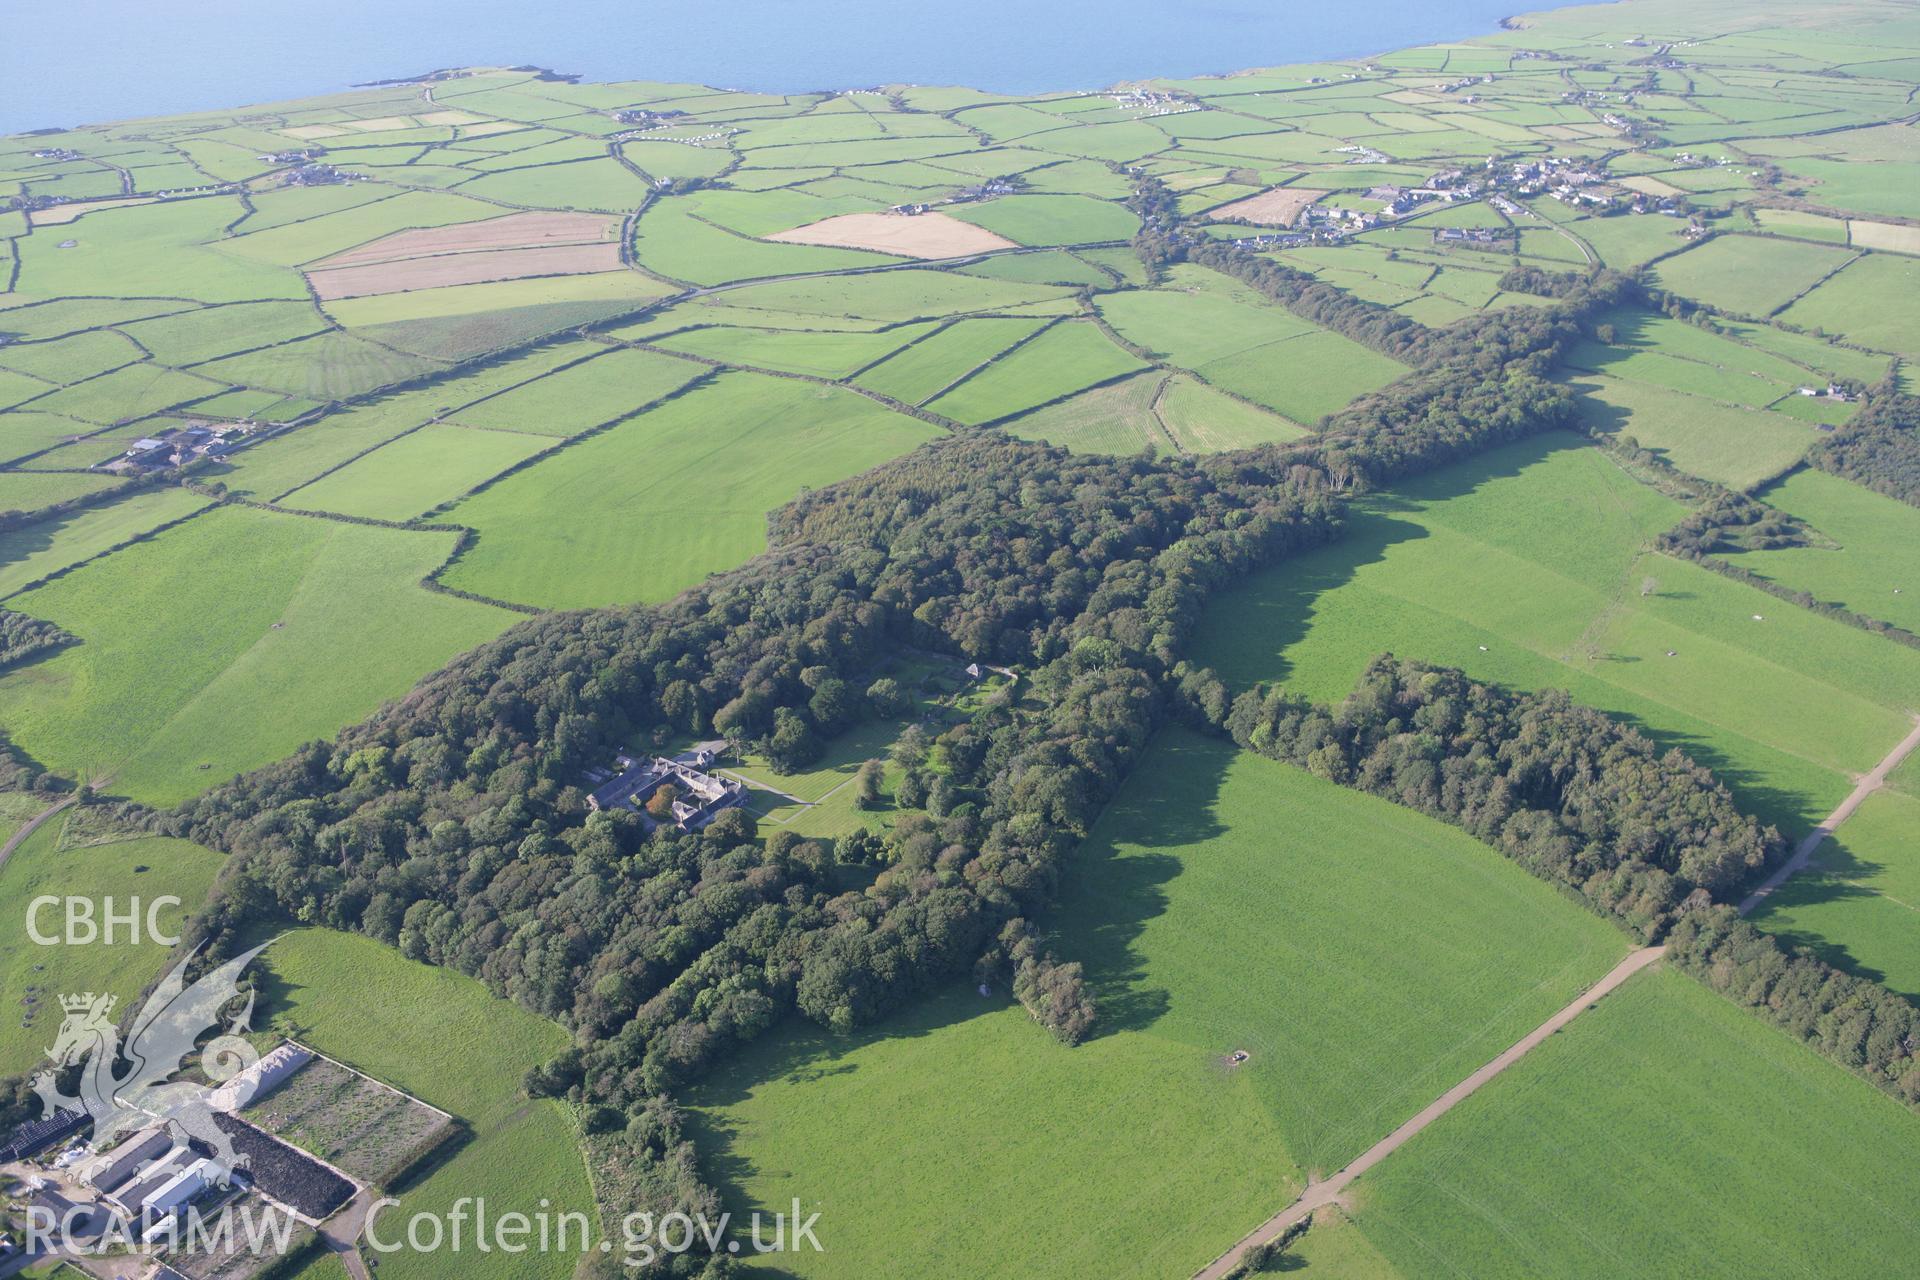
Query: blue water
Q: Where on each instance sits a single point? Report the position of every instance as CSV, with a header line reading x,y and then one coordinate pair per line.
x,y
86,61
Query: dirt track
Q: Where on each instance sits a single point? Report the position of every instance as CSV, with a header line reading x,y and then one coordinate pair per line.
x,y
1323,1193
1319,1194
1867,785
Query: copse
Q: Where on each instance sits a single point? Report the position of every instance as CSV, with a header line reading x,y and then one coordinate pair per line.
x,y
1566,791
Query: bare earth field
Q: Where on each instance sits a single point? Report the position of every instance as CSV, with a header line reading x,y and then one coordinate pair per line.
x,y
923,235
463,268
1276,208
532,230
1890,236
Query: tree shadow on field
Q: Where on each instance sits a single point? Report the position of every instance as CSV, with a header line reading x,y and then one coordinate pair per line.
x,y
1247,629
800,1052
1115,881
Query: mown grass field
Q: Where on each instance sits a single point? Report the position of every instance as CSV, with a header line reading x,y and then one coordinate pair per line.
x,y
1665,1132
1870,302
1224,902
1528,567
445,1039
189,638
653,505
146,867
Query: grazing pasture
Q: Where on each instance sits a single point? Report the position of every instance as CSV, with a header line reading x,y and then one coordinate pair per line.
x,y
1858,905
417,472
1737,446
316,618
653,505
96,864
1116,418
917,373
1529,567
1066,358
1224,902
1749,275
1867,559
1872,302
1760,1157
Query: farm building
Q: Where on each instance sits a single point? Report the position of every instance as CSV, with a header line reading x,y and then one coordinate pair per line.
x,y
701,794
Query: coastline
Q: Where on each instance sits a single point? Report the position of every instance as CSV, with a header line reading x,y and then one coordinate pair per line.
x,y
234,71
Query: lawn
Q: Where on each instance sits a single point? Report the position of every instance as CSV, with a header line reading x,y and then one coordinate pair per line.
x,y
1529,567
1224,902
1876,568
46,863
1737,446
446,1039
652,506
1666,1132
1751,275
227,641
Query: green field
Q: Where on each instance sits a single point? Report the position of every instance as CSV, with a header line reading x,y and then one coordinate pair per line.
x,y
446,1039
121,867
1877,556
1116,418
634,514
1061,361
1667,1132
33,551
419,471
1737,446
1224,902
1528,567
1871,303
1858,906
1749,274
227,641
921,371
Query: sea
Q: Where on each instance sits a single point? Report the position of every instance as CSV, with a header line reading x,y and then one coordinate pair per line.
x,y
70,62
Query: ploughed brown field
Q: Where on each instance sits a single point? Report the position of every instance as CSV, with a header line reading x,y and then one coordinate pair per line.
x,y
462,268
920,235
1279,207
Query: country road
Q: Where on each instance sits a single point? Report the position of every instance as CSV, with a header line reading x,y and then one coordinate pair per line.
x,y
1803,851
1320,1194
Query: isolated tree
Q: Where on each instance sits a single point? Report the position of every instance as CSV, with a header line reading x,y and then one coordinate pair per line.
x,y
866,784
888,700
660,803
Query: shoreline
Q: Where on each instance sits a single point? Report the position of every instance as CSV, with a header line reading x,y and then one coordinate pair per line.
x,y
293,91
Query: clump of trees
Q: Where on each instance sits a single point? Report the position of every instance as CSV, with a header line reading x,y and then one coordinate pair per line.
x,y
23,636
1566,791
1879,447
